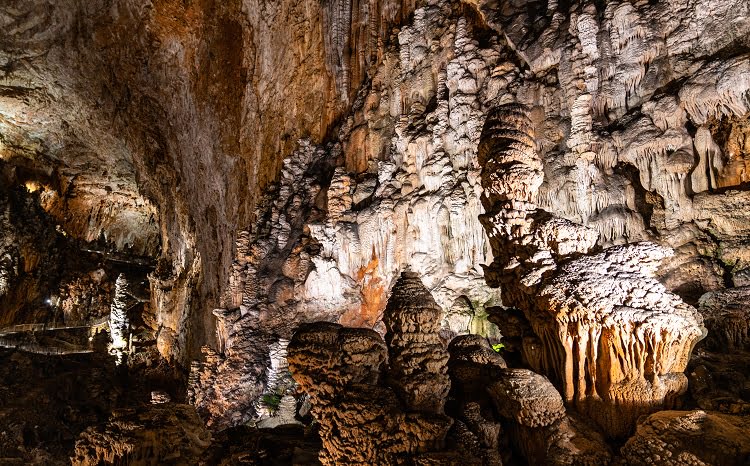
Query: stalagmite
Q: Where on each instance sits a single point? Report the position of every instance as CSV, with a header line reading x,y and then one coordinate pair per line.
x,y
364,416
417,360
119,323
262,165
614,340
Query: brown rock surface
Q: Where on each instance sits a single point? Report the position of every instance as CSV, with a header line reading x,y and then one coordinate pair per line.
x,y
361,418
155,127
535,420
49,400
720,369
727,317
689,437
166,433
527,398
417,359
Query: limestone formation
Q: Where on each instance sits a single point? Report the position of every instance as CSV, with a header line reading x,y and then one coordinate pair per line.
x,y
689,437
153,434
282,162
119,323
417,359
535,419
718,373
527,398
613,338
369,415
727,317
612,166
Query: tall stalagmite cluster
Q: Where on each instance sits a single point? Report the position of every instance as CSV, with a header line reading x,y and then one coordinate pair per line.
x,y
378,402
612,337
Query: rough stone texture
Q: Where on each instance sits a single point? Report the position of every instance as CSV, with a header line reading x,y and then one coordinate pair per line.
x,y
29,249
608,137
359,420
569,441
157,126
162,122
263,301
86,296
341,263
633,338
417,359
49,401
527,398
154,434
116,111
613,338
721,381
535,419
727,317
689,437
293,445
362,419
718,373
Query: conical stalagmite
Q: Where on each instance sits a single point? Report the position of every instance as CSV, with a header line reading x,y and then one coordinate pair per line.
x,y
417,359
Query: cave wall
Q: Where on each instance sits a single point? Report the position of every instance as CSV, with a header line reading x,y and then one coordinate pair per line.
x,y
157,125
623,114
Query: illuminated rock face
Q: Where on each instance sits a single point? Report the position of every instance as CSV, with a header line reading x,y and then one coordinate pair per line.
x,y
613,338
606,153
119,323
689,437
173,129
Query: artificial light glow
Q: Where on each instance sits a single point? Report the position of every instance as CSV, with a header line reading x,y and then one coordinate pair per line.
x,y
32,186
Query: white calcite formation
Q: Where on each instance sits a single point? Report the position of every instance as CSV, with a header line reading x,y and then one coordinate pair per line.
x,y
613,338
119,322
622,138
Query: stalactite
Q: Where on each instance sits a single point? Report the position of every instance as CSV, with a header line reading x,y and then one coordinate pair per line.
x,y
566,300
